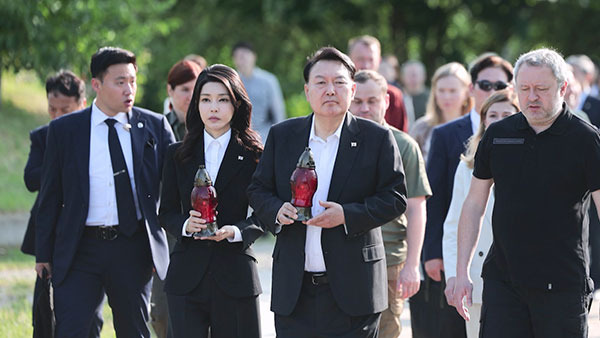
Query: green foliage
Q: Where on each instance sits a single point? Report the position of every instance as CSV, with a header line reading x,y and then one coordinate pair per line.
x,y
49,34
46,35
285,32
23,110
296,105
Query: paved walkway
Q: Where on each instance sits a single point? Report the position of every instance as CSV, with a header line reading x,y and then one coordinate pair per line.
x,y
264,249
13,226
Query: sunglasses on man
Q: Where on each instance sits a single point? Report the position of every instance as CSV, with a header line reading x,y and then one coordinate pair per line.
x,y
486,85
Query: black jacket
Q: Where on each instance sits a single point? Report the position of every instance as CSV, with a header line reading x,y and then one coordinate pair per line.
x,y
368,182
33,176
233,265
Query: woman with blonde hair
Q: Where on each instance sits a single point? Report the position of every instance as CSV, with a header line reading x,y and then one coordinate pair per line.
x,y
498,106
449,99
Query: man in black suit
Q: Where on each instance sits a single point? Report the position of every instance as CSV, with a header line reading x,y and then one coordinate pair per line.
x,y
97,228
329,273
66,94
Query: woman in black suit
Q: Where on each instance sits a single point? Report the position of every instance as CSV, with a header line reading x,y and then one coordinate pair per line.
x,y
212,282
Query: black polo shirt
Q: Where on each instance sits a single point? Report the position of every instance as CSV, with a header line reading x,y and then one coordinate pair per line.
x,y
542,189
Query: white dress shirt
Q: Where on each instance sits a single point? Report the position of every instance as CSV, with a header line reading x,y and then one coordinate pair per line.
x,y
214,151
325,153
103,197
475,119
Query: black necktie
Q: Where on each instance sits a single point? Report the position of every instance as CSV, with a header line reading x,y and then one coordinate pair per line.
x,y
125,204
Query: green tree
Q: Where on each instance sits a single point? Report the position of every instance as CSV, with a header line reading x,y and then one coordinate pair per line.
x,y
46,35
285,32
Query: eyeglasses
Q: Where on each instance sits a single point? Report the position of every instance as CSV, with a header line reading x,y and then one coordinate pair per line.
x,y
486,85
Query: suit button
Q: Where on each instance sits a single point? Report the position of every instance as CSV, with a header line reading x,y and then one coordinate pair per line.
x,y
480,253
148,196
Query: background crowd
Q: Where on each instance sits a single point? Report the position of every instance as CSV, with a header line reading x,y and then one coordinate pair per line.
x,y
441,120
438,102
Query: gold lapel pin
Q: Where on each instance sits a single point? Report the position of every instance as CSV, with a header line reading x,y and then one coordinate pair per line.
x,y
353,144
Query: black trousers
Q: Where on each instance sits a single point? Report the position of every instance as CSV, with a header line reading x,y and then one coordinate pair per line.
x,y
97,321
317,316
510,311
430,314
159,309
123,269
208,307
594,245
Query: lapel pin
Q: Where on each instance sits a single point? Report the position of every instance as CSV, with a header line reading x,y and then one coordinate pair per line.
x,y
353,144
127,126
140,125
240,158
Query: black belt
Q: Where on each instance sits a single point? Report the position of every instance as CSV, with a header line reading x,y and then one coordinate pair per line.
x,y
316,278
106,232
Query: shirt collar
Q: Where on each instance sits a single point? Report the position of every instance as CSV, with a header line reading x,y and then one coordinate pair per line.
x,y
223,140
558,126
98,116
172,118
338,132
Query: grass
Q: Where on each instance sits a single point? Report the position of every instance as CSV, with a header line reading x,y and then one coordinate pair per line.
x,y
23,109
16,293
17,279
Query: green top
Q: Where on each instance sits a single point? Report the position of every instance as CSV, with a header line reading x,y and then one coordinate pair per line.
x,y
394,232
178,127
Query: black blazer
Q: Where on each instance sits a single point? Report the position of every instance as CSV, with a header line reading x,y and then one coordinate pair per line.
x,y
367,180
65,189
448,141
233,265
591,107
33,176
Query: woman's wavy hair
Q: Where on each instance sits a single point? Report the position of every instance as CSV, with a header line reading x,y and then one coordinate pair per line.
x,y
240,122
505,95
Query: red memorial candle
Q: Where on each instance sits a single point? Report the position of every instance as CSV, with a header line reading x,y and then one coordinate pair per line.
x,y
304,185
204,200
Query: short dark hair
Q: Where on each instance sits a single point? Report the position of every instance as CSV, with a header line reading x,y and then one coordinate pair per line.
x,y
490,60
330,54
244,45
362,76
108,56
66,83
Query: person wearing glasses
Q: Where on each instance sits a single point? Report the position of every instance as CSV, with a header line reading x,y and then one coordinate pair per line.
x,y
450,100
489,73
